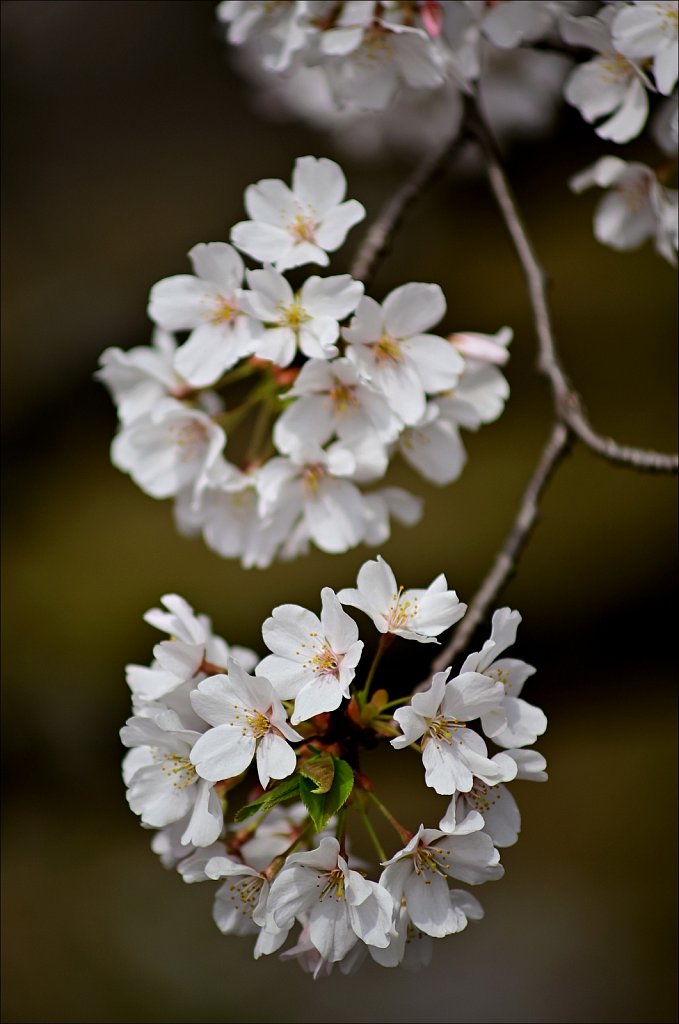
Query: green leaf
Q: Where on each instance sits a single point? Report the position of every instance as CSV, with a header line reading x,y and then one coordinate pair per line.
x,y
320,770
322,806
284,791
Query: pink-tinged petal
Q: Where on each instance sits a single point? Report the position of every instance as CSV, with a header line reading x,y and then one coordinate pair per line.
x,y
207,819
291,631
218,263
330,929
339,628
628,121
334,297
336,516
367,324
438,364
436,451
211,349
264,242
413,309
428,904
319,694
318,182
337,223
223,752
181,302
445,772
152,795
525,723
275,758
270,201
473,858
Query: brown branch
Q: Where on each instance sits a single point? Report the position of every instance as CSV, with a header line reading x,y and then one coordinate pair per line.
x,y
378,237
506,560
567,401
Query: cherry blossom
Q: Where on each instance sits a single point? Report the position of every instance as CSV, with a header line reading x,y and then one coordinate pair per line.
x,y
314,660
291,227
249,721
415,614
649,30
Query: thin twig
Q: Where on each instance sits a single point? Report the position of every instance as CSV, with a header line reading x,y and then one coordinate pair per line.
x,y
567,401
378,237
507,558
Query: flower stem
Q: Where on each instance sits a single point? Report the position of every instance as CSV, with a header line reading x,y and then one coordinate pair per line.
x,y
405,835
384,643
360,807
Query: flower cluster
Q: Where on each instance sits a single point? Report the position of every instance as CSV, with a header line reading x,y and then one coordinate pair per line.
x,y
397,71
280,742
330,383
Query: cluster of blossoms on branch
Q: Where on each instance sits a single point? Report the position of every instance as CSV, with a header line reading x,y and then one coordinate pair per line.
x,y
329,383
254,772
401,67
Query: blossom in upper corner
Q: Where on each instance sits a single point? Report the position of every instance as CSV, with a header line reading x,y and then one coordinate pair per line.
x,y
207,303
308,320
453,755
314,660
638,208
414,614
291,227
249,720
392,350
649,30
609,88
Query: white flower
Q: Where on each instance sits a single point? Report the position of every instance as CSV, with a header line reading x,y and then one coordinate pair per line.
x,y
240,905
453,755
170,449
249,721
433,447
497,806
419,874
279,29
389,345
163,786
405,508
513,722
291,227
414,614
191,653
310,485
332,398
140,378
208,305
342,906
314,660
307,320
609,88
639,207
645,30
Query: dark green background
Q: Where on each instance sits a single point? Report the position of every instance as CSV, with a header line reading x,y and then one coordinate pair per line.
x,y
128,140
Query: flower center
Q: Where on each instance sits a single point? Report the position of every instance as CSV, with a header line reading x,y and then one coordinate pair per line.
x,y
443,729
179,770
303,228
258,723
482,797
401,611
500,674
293,315
334,886
636,192
425,862
615,65
387,350
245,894
325,662
223,311
312,477
342,398
189,437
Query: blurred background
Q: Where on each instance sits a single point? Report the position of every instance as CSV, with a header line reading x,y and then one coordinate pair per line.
x,y
127,139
